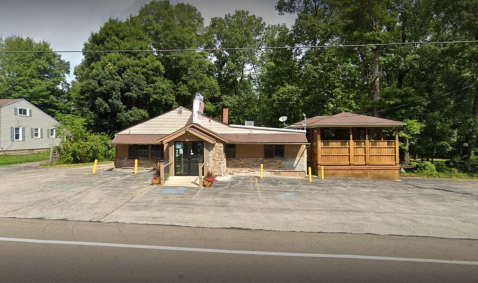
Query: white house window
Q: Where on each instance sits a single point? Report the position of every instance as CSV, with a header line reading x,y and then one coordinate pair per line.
x,y
23,111
36,133
18,133
51,133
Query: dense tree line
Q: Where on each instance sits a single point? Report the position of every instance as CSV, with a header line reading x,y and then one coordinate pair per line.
x,y
432,87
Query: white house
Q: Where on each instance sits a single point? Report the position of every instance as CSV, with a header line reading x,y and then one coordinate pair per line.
x,y
24,128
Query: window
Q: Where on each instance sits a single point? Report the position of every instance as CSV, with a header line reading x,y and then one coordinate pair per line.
x,y
274,151
36,133
138,151
18,133
157,152
51,133
22,111
230,151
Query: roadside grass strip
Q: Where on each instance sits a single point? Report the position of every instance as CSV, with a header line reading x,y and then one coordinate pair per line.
x,y
240,252
177,191
288,196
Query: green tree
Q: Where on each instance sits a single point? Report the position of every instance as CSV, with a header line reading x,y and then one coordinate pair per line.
x,y
37,74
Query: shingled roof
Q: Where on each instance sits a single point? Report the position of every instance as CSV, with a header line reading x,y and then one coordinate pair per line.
x,y
346,119
8,101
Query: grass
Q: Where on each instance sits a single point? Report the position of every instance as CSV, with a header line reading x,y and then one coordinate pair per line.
x,y
17,159
443,175
74,165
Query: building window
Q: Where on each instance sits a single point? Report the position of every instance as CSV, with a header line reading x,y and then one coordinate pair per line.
x,y
273,151
230,151
18,133
51,133
157,152
36,133
23,111
138,151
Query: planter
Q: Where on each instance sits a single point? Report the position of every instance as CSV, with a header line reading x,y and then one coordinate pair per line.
x,y
207,184
155,181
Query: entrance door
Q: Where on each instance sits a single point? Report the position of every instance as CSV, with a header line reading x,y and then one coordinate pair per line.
x,y
187,156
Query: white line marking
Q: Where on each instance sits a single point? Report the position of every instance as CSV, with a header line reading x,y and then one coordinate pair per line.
x,y
219,251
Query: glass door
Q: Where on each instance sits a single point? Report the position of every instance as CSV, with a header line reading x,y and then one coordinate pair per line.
x,y
187,156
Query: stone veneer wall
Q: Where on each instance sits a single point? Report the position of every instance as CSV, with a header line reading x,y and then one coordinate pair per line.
x,y
217,159
142,163
247,165
23,151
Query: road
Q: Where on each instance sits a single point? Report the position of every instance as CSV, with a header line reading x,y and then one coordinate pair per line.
x,y
69,251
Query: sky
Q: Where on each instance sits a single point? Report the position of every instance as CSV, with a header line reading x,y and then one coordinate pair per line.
x,y
67,24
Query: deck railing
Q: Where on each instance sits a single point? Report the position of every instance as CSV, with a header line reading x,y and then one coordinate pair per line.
x,y
357,152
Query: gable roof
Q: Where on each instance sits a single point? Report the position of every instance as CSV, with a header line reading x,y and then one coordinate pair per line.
x,y
8,101
346,119
174,123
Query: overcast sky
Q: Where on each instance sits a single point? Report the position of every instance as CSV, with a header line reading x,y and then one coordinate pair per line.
x,y
67,24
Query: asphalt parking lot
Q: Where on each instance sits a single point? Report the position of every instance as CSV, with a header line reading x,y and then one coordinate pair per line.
x,y
418,207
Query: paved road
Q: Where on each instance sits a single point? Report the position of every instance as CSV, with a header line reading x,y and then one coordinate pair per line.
x,y
92,252
417,207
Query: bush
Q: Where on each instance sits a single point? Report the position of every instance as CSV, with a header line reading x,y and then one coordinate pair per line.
x,y
464,166
425,167
441,166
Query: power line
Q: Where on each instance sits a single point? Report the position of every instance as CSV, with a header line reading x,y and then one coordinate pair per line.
x,y
242,48
413,102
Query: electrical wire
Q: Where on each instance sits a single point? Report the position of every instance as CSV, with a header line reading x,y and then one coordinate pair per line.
x,y
242,48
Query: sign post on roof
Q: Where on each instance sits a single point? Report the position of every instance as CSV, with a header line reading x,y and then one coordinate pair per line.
x,y
198,108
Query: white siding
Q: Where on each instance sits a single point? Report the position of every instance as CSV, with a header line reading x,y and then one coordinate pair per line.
x,y
38,119
174,120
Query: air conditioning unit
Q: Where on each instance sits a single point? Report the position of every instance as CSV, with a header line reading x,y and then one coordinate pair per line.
x,y
250,123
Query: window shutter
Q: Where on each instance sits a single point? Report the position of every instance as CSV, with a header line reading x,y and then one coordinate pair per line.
x,y
33,132
41,132
29,112
48,133
15,110
23,133
12,133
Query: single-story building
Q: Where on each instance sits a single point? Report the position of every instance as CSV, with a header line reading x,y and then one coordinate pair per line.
x,y
352,145
187,138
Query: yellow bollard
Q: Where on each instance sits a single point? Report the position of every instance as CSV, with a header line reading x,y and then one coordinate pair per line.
x,y
95,165
262,168
310,175
322,172
136,166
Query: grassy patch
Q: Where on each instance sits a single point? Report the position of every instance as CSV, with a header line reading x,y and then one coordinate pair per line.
x,y
17,159
74,165
443,175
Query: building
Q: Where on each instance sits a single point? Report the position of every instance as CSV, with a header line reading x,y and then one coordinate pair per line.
x,y
186,138
352,145
24,128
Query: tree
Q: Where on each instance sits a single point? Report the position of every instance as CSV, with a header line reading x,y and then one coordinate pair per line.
x,y
37,74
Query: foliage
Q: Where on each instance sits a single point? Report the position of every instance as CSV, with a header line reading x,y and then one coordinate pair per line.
x,y
466,166
425,167
39,78
79,146
17,159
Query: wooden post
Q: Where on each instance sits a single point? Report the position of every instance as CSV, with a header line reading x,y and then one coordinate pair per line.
x,y
161,172
319,146
367,147
351,148
397,157
200,174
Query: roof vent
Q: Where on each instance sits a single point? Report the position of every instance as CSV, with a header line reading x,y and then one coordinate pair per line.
x,y
250,123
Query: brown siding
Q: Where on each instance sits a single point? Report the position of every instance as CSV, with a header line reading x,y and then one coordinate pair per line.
x,y
249,150
122,151
187,137
293,150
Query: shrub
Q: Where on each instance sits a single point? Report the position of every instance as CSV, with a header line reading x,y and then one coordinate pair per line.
x,y
464,166
425,167
441,166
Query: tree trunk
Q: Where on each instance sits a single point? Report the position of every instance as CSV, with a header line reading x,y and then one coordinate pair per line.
x,y
407,152
376,80
471,139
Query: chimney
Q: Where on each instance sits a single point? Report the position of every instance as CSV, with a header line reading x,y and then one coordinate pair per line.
x,y
225,115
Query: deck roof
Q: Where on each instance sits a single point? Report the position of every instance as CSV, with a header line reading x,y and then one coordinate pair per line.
x,y
346,119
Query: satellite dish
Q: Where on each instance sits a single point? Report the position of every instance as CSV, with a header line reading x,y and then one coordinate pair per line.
x,y
283,118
